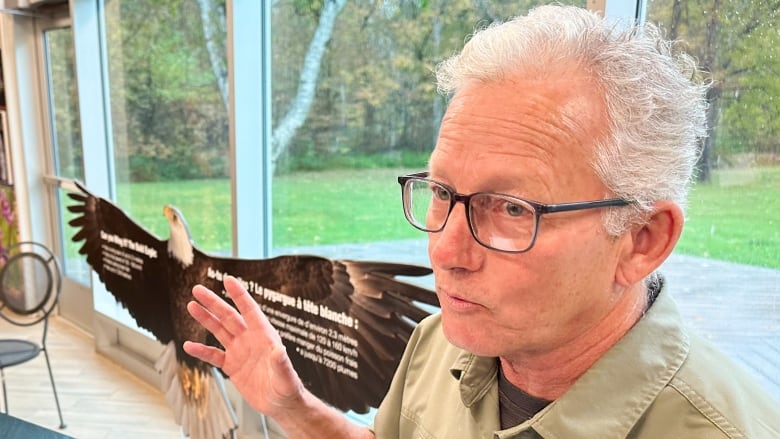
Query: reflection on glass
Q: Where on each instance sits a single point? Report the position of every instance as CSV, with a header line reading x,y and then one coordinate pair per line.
x,y
169,118
66,136
729,254
348,119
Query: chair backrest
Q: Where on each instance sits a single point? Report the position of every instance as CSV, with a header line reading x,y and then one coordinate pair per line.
x,y
30,283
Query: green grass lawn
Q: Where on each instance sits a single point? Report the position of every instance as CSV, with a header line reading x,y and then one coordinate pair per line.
x,y
735,218
204,203
329,207
344,206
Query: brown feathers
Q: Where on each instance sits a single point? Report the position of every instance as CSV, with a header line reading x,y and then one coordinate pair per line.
x,y
345,323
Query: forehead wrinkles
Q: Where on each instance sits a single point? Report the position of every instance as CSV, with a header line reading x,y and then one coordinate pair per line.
x,y
536,125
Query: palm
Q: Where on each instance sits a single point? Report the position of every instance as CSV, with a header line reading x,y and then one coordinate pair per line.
x,y
253,357
267,381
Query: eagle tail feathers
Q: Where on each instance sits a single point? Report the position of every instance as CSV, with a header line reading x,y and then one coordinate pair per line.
x,y
196,396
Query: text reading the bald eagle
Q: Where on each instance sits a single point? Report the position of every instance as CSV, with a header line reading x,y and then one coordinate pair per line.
x,y
125,259
129,244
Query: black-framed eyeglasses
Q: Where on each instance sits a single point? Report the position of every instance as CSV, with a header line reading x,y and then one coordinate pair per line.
x,y
497,221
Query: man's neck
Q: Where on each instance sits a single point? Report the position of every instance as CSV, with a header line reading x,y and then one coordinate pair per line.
x,y
550,374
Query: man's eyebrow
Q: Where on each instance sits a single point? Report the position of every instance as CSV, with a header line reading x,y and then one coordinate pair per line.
x,y
516,187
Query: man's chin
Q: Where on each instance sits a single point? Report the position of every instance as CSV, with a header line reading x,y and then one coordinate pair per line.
x,y
465,337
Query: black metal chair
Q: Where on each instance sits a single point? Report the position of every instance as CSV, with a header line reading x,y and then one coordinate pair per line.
x,y
30,284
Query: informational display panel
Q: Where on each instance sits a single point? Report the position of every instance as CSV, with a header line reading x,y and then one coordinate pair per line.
x,y
344,322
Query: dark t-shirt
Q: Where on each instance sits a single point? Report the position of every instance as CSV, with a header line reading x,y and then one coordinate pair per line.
x,y
515,405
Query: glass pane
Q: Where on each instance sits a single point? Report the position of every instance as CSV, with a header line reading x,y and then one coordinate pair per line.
x,y
349,119
66,137
354,105
729,255
169,118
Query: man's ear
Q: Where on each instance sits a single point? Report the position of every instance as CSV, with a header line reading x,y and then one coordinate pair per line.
x,y
646,246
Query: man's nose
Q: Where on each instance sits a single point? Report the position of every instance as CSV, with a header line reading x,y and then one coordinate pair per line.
x,y
454,246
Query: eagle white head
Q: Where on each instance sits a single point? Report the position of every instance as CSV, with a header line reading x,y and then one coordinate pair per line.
x,y
180,241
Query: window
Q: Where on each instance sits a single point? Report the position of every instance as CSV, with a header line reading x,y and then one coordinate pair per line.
x,y
351,116
354,105
169,116
374,113
66,132
726,270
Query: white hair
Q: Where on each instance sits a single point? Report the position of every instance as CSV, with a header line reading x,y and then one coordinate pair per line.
x,y
656,103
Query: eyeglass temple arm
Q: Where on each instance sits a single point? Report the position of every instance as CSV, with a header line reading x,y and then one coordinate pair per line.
x,y
568,207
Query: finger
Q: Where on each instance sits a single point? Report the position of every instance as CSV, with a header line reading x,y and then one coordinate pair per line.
x,y
210,322
209,354
246,305
209,299
225,314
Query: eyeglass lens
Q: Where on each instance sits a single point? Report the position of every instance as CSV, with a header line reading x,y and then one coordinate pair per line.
x,y
497,221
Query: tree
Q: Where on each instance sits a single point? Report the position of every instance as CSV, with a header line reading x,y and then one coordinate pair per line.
x,y
212,17
736,43
348,79
307,83
376,94
168,121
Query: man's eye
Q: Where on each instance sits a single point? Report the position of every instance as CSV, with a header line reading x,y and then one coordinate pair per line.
x,y
440,193
513,209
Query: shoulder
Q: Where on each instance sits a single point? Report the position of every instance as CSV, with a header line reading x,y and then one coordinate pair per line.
x,y
715,396
426,397
428,327
428,342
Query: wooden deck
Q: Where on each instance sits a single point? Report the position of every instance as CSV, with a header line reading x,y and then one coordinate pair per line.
x,y
737,307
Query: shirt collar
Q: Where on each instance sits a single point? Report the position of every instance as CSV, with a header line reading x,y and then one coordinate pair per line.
x,y
476,375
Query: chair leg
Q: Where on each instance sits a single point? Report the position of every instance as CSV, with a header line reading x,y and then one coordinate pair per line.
x,y
54,388
5,398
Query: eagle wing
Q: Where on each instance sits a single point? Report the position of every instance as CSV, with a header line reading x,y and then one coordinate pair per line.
x,y
345,323
129,260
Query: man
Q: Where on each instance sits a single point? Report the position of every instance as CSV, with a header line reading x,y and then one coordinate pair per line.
x,y
554,192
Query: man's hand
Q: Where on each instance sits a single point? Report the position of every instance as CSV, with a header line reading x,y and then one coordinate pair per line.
x,y
253,357
256,362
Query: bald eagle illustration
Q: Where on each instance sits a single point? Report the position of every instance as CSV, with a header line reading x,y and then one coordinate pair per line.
x,y
345,323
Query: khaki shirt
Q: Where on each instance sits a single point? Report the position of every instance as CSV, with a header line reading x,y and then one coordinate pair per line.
x,y
658,381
